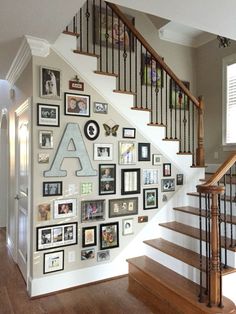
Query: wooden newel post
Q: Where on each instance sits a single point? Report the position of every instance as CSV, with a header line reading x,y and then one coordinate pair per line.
x,y
200,152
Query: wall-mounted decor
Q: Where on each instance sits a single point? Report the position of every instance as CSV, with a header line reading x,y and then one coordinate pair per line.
x,y
110,130
53,261
128,132
123,207
130,181
127,153
156,159
53,236
43,158
50,83
44,212
77,105
87,254
142,219
46,139
150,176
103,256
100,107
64,208
179,179
107,179
103,152
89,236
91,130
150,198
76,84
127,226
93,210
152,74
144,152
178,100
109,235
48,115
86,188
167,170
168,185
52,188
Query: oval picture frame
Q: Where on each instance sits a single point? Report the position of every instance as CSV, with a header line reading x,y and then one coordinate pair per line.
x,y
91,130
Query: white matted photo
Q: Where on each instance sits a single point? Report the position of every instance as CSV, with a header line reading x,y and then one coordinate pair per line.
x,y
127,226
65,208
103,151
156,159
53,261
48,115
46,139
150,176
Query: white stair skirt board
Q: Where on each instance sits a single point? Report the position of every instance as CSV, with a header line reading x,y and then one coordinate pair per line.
x,y
228,286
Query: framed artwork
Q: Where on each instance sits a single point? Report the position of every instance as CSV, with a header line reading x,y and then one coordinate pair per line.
x,y
50,83
109,235
150,198
127,153
65,208
103,152
103,256
89,236
156,159
87,254
100,107
48,115
53,261
150,176
86,188
144,152
179,179
93,210
77,104
130,181
44,212
76,84
166,170
152,74
43,158
107,179
52,188
49,237
91,130
123,207
128,132
178,100
46,139
168,185
127,226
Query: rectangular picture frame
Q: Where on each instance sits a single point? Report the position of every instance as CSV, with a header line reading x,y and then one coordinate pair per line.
x,y
65,208
156,159
150,176
77,104
150,198
89,236
87,254
103,152
92,210
100,107
48,115
128,132
109,235
52,188
127,226
168,185
130,181
127,153
167,170
50,83
53,262
144,152
123,207
179,179
178,100
107,179
45,139
152,74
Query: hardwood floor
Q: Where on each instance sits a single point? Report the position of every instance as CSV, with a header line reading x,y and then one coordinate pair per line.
x,y
114,296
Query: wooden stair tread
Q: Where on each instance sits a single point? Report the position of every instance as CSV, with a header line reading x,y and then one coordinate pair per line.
x,y
106,73
193,232
123,92
222,197
185,255
140,109
90,54
71,33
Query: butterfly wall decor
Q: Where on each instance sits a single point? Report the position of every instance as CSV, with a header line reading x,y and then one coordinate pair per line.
x,y
110,130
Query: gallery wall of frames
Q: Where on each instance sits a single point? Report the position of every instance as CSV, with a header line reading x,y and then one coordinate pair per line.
x,y
97,180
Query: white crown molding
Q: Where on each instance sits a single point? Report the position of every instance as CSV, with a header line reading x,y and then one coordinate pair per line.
x,y
30,46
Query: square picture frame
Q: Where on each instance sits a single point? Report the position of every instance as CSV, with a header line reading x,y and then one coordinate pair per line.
x,y
109,235
107,179
128,132
127,226
123,207
156,159
89,236
45,139
144,152
50,83
168,185
87,254
64,208
53,262
92,210
77,104
178,100
100,107
150,176
167,170
86,188
52,188
150,198
103,152
152,74
48,115
130,181
127,153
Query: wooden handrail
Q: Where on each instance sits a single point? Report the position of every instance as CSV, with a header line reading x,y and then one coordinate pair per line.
x,y
152,52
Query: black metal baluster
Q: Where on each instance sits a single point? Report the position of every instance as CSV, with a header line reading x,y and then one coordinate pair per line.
x,y
94,26
141,75
147,60
193,135
200,229
162,82
209,251
220,250
231,207
130,61
87,14
177,103
160,87
119,53
125,58
112,43
225,224
74,25
189,129
180,125
166,111
107,37
206,243
136,72
100,33
81,30
185,123
153,77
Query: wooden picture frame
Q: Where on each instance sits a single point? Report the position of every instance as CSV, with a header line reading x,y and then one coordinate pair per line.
x,y
123,207
107,179
48,115
150,198
89,236
92,210
144,152
53,261
130,181
109,235
77,104
52,188
178,100
50,83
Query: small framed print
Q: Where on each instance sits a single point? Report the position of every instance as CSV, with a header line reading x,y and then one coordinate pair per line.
x,y
150,176
43,158
150,198
77,105
50,83
89,236
64,208
86,188
107,179
87,254
179,179
76,85
127,226
166,170
46,139
130,181
53,261
109,235
127,153
103,256
44,212
48,115
123,207
100,107
91,130
129,132
144,151
156,159
93,210
103,152
52,188
168,185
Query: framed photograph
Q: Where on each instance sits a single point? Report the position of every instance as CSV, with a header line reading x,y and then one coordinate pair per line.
x,y
167,170
127,153
100,107
179,179
64,208
53,261
103,256
123,207
45,139
93,210
103,152
144,152
86,188
150,176
150,198
152,74
52,188
87,254
48,115
129,132
168,185
50,83
130,181
109,235
127,226
49,237
107,179
76,85
77,104
44,212
156,159
178,100
89,236
91,130
43,158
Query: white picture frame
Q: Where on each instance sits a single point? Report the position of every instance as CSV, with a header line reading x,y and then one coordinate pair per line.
x,y
64,208
103,152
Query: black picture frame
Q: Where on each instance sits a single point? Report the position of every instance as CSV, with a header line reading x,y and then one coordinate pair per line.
x,y
77,104
53,262
123,207
50,83
91,130
144,152
150,198
109,235
167,170
52,188
178,100
89,236
130,181
48,115
92,210
179,179
152,73
107,179
128,132
168,185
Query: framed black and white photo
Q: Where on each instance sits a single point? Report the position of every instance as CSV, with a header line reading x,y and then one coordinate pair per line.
x,y
100,107
107,179
150,198
127,153
127,226
156,159
150,176
91,130
123,207
179,179
168,185
89,236
144,151
50,83
48,115
87,254
52,188
53,261
92,210
103,256
103,152
77,104
130,181
166,170
46,139
109,235
128,132
64,208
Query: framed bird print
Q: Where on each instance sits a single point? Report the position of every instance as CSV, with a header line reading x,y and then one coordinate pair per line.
x,y
110,130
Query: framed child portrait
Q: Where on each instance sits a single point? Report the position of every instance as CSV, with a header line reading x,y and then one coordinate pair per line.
x,y
65,208
77,104
107,179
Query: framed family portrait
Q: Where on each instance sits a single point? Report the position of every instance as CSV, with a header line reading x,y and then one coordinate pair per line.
x,y
144,152
87,254
50,83
123,207
100,107
93,210
91,130
168,185
77,104
127,153
103,152
178,100
52,188
109,235
156,159
128,132
152,74
46,139
166,170
150,176
89,236
48,115
65,208
150,198
130,181
127,226
49,237
107,179
53,261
